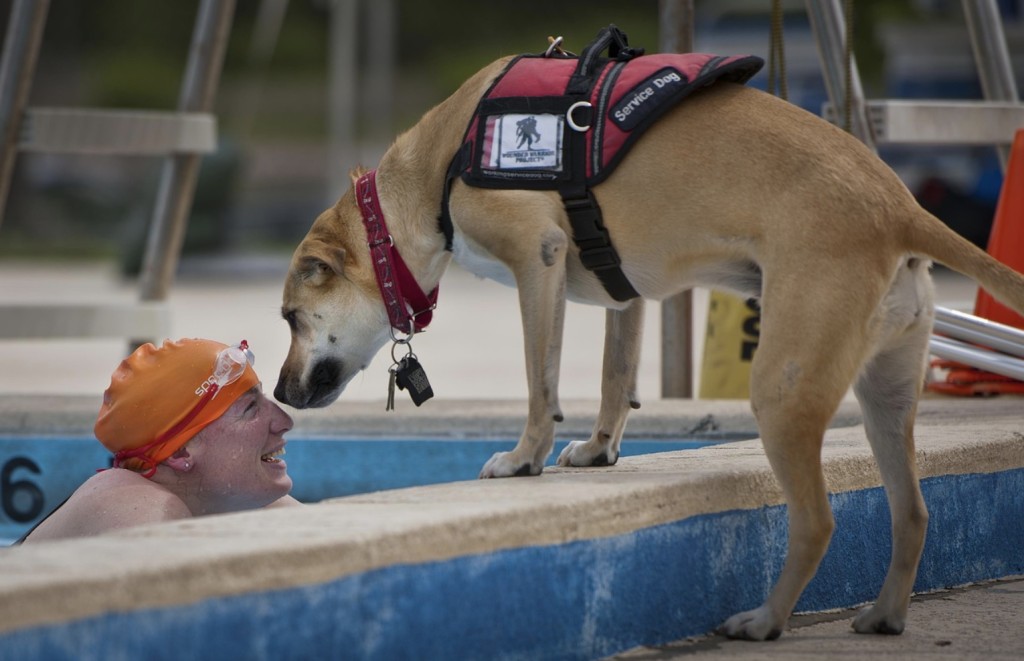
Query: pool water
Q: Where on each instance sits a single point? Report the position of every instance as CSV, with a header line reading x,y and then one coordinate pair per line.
x,y
38,473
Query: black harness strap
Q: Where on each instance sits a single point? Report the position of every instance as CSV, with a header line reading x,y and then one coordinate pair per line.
x,y
597,254
459,163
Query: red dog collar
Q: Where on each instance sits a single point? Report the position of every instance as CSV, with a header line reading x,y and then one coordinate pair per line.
x,y
409,309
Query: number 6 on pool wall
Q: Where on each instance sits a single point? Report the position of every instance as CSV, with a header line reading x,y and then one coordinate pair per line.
x,y
15,493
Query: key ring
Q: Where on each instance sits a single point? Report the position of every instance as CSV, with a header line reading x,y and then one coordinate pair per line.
x,y
408,352
403,340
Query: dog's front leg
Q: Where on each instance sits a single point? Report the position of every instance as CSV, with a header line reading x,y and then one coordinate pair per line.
x,y
541,285
622,336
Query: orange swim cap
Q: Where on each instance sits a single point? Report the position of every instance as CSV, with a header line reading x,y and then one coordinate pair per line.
x,y
157,393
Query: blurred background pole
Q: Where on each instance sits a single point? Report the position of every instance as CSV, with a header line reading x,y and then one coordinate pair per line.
x,y
265,34
341,109
25,26
675,35
378,87
995,69
839,66
180,171
361,74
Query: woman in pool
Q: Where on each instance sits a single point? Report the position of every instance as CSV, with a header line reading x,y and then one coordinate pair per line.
x,y
192,434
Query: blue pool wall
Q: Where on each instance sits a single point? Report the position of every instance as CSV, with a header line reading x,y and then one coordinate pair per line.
x,y
320,467
577,600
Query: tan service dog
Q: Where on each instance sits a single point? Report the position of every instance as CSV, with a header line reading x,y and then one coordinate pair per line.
x,y
732,188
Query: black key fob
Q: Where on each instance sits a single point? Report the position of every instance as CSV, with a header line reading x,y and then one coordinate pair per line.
x,y
410,376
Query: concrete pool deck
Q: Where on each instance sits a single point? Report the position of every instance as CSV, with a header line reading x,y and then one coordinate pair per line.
x,y
578,563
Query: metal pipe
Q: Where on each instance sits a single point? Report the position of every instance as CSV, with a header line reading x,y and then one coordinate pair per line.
x,y
180,171
675,35
266,32
675,26
975,357
991,56
378,84
990,329
974,337
342,77
25,27
829,28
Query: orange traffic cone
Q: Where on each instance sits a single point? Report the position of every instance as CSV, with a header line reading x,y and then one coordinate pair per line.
x,y
1005,243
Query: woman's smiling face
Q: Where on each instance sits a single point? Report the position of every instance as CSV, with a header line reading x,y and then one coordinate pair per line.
x,y
236,459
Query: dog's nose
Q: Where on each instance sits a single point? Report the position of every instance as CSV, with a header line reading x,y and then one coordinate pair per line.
x,y
320,388
323,382
281,391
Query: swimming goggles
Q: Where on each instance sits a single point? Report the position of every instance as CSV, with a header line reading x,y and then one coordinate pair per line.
x,y
229,367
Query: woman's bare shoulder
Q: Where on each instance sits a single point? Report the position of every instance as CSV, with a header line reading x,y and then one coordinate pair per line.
x,y
111,500
127,491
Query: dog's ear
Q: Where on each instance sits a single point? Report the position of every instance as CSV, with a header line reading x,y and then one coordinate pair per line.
x,y
318,260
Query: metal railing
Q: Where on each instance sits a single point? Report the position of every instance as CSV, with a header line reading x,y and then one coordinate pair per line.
x,y
181,137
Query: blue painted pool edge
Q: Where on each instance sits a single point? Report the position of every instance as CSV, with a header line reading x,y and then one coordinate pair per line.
x,y
37,473
579,600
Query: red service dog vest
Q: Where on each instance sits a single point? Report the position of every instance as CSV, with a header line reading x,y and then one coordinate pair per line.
x,y
559,122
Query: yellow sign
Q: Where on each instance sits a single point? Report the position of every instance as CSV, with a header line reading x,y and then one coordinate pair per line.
x,y
734,326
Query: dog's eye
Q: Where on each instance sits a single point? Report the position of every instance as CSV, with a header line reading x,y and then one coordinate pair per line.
x,y
289,316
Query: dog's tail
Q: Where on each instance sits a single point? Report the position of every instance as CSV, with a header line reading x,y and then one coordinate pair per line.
x,y
929,236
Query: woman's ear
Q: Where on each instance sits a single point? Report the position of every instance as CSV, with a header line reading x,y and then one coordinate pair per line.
x,y
181,461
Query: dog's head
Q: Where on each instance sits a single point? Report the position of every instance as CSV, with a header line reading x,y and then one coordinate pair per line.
x,y
333,307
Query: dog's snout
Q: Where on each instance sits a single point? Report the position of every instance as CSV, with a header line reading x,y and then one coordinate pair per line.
x,y
319,389
281,391
288,388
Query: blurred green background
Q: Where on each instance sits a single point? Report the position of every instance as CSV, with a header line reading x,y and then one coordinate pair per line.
x,y
273,172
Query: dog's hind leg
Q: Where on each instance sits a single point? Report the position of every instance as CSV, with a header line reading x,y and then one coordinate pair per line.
x,y
888,389
622,338
812,343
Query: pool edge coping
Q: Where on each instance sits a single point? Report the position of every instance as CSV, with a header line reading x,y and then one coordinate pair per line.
x,y
427,524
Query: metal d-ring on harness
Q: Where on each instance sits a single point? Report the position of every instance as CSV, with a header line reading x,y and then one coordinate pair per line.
x,y
555,46
572,122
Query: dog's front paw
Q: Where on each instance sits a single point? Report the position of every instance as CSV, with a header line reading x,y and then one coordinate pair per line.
x,y
586,453
506,464
758,624
872,620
